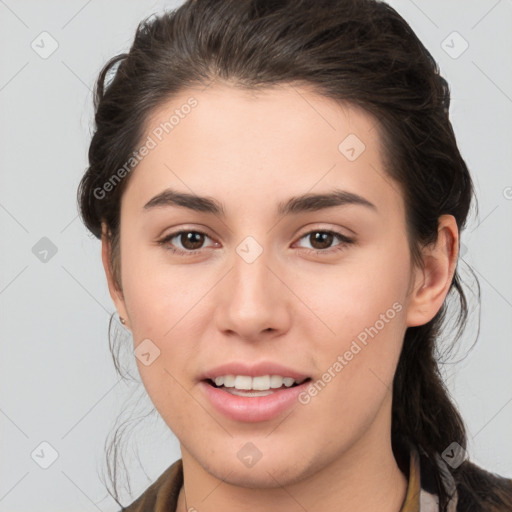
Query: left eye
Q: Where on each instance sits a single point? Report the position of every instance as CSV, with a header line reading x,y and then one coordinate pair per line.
x,y
322,240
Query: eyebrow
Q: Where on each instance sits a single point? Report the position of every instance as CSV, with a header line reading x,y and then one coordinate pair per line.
x,y
303,203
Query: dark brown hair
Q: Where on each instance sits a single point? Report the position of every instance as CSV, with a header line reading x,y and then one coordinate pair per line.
x,y
356,51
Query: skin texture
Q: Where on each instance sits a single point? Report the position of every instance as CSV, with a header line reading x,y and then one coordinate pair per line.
x,y
294,304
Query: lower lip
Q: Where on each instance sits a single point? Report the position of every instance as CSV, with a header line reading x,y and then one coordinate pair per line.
x,y
252,409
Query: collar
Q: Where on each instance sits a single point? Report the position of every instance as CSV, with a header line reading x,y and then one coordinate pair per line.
x,y
423,488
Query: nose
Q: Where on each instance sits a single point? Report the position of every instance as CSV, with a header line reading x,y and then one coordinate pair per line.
x,y
253,300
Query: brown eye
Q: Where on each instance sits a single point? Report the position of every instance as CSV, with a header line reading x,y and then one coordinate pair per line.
x,y
324,241
185,242
321,239
191,240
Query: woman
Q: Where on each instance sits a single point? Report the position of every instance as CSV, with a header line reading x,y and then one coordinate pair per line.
x,y
279,196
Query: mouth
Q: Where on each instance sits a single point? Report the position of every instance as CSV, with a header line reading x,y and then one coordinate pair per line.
x,y
253,392
253,405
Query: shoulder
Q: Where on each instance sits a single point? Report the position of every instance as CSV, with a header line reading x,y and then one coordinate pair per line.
x,y
161,495
481,491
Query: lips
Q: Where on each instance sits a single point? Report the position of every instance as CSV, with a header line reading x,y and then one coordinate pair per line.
x,y
252,405
251,409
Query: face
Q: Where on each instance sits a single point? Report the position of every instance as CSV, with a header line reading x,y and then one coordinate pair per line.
x,y
319,287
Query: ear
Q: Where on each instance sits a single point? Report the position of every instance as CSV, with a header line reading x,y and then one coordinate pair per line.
x,y
432,281
115,293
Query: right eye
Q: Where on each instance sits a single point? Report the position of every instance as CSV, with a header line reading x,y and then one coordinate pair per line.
x,y
191,241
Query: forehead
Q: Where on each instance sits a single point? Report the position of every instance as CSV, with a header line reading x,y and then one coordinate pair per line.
x,y
274,113
224,138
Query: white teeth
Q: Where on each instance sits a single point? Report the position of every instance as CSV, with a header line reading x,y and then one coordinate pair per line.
x,y
260,383
276,381
229,381
288,381
243,382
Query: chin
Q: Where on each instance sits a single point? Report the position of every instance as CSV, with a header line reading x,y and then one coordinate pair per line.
x,y
260,476
267,472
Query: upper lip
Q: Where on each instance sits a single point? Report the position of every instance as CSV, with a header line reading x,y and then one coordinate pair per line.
x,y
253,370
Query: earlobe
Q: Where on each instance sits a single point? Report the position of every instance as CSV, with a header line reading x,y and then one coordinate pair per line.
x,y
115,293
432,282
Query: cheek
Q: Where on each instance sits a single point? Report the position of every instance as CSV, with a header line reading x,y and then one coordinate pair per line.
x,y
159,295
164,303
364,305
357,370
354,295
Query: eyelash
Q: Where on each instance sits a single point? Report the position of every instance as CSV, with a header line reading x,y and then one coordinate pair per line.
x,y
344,241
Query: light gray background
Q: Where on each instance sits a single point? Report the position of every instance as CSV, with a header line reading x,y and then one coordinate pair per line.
x,y
58,383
